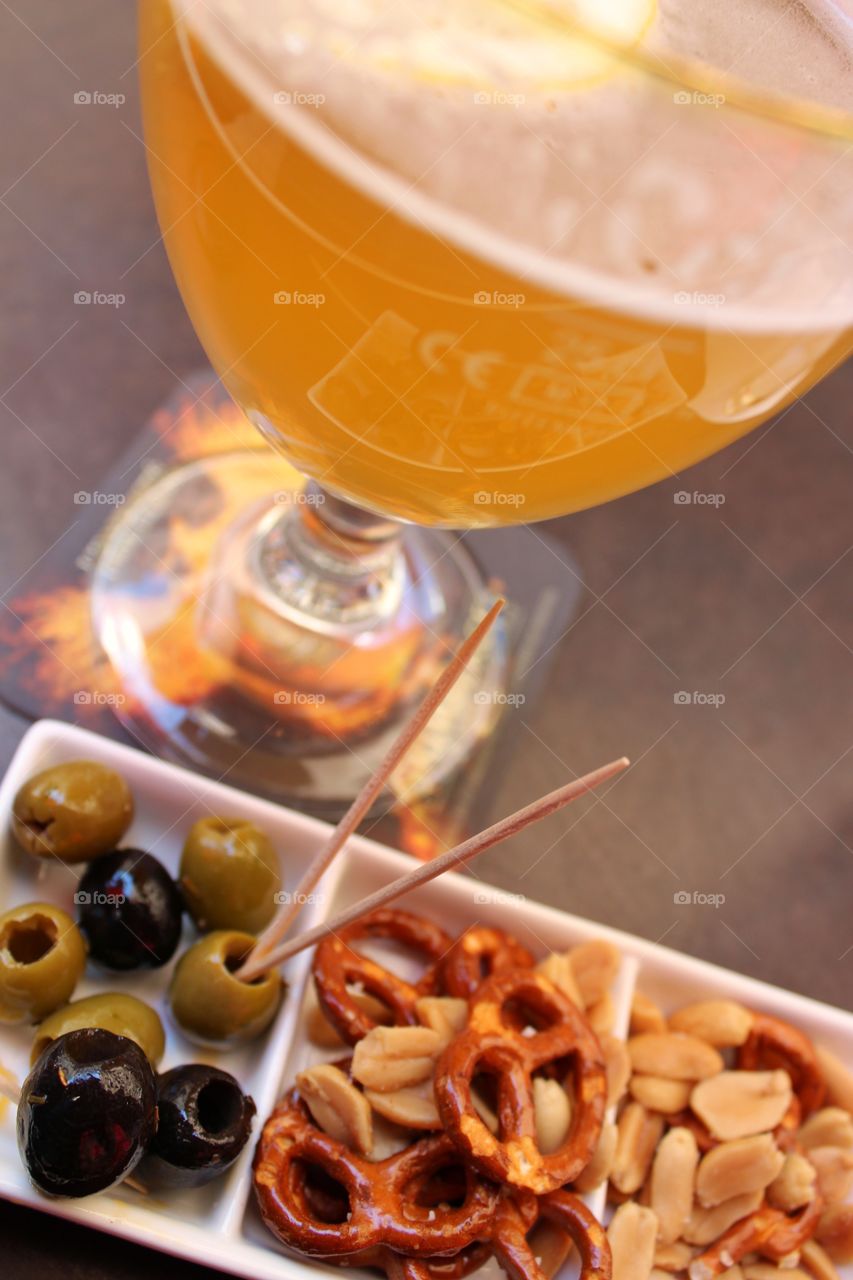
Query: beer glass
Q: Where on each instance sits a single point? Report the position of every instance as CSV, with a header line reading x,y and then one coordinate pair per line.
x,y
464,264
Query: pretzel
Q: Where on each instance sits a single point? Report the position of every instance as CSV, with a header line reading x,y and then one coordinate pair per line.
x,y
491,1043
773,1043
512,1223
373,1205
565,1210
398,1267
476,955
336,965
770,1232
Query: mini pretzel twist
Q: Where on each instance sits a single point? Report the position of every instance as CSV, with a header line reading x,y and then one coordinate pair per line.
x,y
383,1208
336,965
773,1043
476,955
565,1210
770,1232
513,1219
493,1043
398,1267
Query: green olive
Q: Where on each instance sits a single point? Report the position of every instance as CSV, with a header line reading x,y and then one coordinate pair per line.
x,y
114,1011
73,811
42,958
213,1006
229,875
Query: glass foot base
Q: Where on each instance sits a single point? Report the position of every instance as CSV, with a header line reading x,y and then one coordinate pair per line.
x,y
224,671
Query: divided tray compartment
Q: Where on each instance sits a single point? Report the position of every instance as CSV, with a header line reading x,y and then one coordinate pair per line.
x,y
217,1225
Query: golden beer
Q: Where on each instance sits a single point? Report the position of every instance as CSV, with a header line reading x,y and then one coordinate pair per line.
x,y
400,362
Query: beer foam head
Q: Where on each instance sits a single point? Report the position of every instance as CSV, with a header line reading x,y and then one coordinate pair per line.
x,y
535,147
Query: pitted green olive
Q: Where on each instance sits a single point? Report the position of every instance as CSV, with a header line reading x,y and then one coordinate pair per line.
x,y
229,875
42,958
73,811
113,1011
213,1006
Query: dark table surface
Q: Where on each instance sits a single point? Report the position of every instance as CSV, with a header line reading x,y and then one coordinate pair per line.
x,y
751,599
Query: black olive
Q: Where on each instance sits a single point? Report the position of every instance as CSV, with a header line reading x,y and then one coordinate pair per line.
x,y
205,1122
130,911
87,1111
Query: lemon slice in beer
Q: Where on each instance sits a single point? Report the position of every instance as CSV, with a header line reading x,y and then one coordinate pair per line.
x,y
548,45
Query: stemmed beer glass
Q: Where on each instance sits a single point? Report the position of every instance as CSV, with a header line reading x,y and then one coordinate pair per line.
x,y
464,265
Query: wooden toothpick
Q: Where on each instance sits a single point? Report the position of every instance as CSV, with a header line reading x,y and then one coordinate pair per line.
x,y
453,858
361,805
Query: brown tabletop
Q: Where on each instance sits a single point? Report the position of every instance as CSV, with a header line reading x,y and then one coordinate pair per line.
x,y
750,600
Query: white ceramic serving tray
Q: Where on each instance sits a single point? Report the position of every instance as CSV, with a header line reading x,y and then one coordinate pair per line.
x,y
217,1225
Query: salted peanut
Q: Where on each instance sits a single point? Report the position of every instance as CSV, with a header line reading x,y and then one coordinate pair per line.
x,y
817,1262
834,1168
674,1056
595,965
484,1111
617,1064
737,1167
829,1127
707,1225
323,1034
552,1109
639,1132
390,1058
602,1015
657,1094
839,1079
794,1186
550,1246
672,1181
445,1015
557,968
632,1234
646,1016
673,1257
658,1273
337,1106
388,1139
722,1023
412,1108
738,1104
732,1273
599,1168
835,1232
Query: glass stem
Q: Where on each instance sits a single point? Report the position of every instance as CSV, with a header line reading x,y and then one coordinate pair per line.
x,y
329,560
